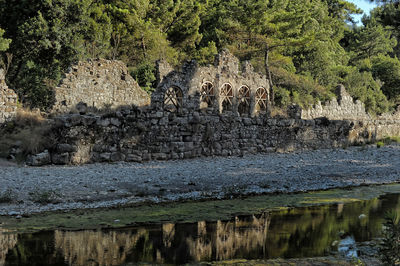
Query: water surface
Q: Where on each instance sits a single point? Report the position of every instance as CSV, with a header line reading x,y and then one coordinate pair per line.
x,y
290,233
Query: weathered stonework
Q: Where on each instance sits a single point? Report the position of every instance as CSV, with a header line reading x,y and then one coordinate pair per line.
x,y
194,113
218,88
98,83
342,108
370,128
8,100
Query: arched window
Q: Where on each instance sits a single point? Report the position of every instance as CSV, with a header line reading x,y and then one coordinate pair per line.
x,y
226,97
173,99
261,99
207,95
243,100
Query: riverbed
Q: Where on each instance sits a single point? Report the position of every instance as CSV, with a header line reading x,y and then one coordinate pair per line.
x,y
29,190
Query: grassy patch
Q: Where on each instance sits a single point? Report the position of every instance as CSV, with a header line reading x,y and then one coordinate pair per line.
x,y
44,196
390,140
7,196
380,144
28,133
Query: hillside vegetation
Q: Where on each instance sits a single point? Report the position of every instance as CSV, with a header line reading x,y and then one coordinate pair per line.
x,y
307,47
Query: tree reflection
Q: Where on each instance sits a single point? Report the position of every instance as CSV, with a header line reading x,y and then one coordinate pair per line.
x,y
295,232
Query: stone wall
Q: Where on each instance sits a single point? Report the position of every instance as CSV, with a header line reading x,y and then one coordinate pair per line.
x,y
99,83
342,108
8,100
195,113
139,135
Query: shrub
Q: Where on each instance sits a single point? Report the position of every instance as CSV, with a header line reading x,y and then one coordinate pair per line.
x,y
6,196
380,144
44,196
390,247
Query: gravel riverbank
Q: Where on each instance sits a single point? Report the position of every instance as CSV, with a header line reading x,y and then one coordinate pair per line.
x,y
26,190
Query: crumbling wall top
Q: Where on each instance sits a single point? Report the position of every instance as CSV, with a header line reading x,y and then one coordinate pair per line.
x,y
98,83
214,88
225,61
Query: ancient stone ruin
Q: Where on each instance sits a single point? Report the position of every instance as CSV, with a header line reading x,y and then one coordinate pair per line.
x,y
220,109
218,88
98,83
342,108
8,100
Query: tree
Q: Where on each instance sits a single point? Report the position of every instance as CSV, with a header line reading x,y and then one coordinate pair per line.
x,y
4,43
48,36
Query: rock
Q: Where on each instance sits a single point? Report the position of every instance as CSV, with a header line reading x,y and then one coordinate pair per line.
x,y
60,158
39,159
81,107
115,122
65,147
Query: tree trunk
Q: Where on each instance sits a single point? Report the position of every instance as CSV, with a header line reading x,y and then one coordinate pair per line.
x,y
144,46
269,76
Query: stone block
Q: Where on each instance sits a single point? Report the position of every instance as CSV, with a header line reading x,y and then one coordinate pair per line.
x,y
60,158
159,156
65,148
134,158
115,157
105,156
39,159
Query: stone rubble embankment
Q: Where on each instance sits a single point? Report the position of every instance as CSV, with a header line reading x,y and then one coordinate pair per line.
x,y
110,185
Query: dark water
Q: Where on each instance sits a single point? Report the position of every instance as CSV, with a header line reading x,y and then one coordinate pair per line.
x,y
298,232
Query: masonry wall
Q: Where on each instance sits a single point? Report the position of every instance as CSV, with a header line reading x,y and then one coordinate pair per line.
x,y
8,100
182,127
137,135
99,83
341,108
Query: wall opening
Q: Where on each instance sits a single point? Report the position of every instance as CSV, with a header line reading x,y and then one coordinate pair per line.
x,y
226,97
243,100
261,100
207,95
173,99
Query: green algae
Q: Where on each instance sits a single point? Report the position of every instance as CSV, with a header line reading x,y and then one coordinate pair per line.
x,y
211,210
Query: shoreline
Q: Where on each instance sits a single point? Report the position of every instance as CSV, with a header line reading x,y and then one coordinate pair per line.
x,y
33,190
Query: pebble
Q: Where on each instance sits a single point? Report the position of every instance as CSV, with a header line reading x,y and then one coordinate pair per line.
x,y
88,186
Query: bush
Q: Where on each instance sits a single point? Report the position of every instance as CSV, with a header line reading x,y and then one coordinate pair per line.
x,y
390,247
6,196
44,196
380,144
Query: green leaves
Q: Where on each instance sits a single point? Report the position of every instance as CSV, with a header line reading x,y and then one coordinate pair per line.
x,y
4,43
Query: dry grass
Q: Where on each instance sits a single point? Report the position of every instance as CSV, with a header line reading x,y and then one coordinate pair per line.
x,y
277,112
28,133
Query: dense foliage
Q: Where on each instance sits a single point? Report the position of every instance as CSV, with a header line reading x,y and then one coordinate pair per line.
x,y
305,47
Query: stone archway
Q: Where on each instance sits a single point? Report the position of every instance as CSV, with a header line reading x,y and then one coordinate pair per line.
x,y
173,99
243,98
207,95
226,97
261,100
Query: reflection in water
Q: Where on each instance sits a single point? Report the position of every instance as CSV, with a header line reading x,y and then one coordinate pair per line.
x,y
7,241
297,232
348,247
95,248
